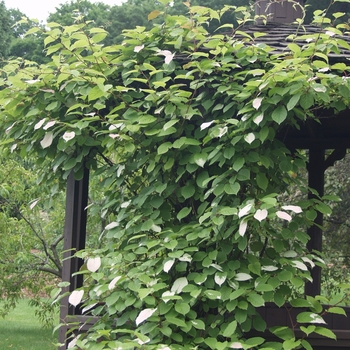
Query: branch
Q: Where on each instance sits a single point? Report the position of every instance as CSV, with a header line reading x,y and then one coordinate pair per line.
x,y
49,270
53,247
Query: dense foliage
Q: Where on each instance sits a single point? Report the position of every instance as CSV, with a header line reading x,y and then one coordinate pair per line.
x,y
180,126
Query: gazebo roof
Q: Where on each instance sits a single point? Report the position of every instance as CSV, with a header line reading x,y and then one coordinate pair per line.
x,y
280,35
332,130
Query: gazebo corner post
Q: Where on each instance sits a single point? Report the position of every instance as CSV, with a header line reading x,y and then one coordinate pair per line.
x,y
282,11
74,240
316,170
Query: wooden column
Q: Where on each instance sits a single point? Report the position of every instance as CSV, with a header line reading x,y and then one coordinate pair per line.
x,y
281,11
74,240
316,169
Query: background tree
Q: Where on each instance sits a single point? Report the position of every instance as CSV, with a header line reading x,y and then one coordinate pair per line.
x,y
5,30
29,47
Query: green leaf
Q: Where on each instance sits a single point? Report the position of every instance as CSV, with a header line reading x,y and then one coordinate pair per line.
x,y
308,330
183,213
309,317
170,123
262,181
232,188
255,341
294,48
238,164
336,310
293,101
201,179
279,298
256,299
243,174
212,294
264,287
283,332
176,321
198,324
200,159
230,329
147,119
299,302
211,342
164,148
188,191
306,345
154,14
228,211
307,101
323,208
182,308
259,324
144,292
96,93
291,344
264,133
325,332
69,164
279,114
284,275
236,294
52,106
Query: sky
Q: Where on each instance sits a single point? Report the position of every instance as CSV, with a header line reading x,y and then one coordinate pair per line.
x,y
40,9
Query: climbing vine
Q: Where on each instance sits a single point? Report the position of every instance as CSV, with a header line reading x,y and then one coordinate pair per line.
x,y
182,129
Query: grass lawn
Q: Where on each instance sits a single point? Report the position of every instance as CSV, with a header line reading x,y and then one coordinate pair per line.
x,y
21,330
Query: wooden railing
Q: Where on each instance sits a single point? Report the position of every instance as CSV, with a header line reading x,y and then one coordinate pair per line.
x,y
285,316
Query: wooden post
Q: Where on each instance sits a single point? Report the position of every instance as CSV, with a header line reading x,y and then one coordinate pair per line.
x,y
316,169
74,240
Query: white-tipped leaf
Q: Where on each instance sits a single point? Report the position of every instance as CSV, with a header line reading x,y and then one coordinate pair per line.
x,y
257,120
93,264
47,140
114,282
241,276
294,208
179,285
168,265
242,227
245,210
260,214
206,125
68,135
249,137
138,48
283,215
144,315
39,124
49,124
257,102
75,297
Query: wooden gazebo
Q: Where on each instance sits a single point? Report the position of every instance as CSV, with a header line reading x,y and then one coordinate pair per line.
x,y
330,136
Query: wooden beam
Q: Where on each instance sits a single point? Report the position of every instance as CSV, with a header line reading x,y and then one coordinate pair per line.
x,y
300,142
74,240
